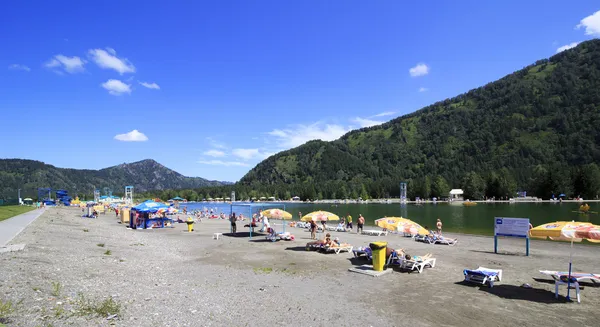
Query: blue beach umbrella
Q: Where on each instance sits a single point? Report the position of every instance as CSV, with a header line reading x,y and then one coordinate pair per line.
x,y
150,206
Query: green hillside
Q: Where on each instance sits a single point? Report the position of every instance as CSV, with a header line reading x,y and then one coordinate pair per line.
x,y
535,130
145,175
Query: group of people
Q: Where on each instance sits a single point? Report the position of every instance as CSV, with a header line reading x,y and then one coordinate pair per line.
x,y
256,218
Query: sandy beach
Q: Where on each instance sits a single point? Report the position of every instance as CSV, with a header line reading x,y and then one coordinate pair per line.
x,y
168,277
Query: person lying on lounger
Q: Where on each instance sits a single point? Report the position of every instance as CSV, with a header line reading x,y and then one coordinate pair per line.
x,y
417,258
336,243
324,242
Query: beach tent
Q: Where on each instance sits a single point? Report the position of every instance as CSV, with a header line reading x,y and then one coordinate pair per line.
x,y
177,199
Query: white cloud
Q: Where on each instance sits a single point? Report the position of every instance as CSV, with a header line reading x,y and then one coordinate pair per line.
x,y
71,65
300,134
215,144
133,136
109,60
591,24
365,122
150,85
214,153
419,70
116,87
222,163
567,47
423,89
19,67
385,113
245,154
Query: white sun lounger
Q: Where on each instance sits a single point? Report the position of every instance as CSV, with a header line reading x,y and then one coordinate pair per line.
x,y
374,232
418,265
483,276
560,278
336,228
338,249
445,241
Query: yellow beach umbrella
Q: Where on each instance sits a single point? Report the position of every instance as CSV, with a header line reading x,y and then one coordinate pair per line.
x,y
320,216
277,214
572,231
404,225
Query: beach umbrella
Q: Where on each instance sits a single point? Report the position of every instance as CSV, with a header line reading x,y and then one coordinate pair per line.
x,y
572,231
150,206
320,216
401,224
276,214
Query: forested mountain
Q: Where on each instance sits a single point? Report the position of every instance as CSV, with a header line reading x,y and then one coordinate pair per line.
x,y
144,175
536,130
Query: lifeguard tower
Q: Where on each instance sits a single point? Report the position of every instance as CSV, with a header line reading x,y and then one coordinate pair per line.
x,y
129,195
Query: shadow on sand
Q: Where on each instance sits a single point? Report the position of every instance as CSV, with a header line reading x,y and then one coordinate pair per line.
x,y
244,234
500,253
513,292
296,248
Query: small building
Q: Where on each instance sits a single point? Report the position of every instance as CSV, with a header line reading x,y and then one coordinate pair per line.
x,y
456,194
296,198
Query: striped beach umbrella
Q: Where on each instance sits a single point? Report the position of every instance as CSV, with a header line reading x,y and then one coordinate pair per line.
x,y
276,214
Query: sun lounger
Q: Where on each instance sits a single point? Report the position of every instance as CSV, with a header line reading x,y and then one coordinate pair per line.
x,y
374,232
445,241
338,249
363,251
418,264
336,228
561,278
483,276
423,238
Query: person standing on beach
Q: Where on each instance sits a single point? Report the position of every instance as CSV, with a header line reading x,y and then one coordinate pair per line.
x,y
349,221
313,229
361,223
439,226
233,220
299,214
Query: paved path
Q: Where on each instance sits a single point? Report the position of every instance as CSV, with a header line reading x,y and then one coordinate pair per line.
x,y
11,227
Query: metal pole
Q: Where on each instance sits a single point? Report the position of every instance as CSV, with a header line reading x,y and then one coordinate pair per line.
x,y
569,278
495,244
527,244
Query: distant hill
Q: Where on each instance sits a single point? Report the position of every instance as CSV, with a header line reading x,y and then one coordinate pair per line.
x,y
537,129
145,175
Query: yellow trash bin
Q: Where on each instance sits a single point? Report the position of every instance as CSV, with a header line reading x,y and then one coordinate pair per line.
x,y
378,249
190,224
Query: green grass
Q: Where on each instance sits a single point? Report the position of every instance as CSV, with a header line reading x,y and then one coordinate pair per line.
x,y
88,307
263,270
108,252
56,288
11,211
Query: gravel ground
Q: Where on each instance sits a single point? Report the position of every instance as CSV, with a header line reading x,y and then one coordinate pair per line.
x,y
168,277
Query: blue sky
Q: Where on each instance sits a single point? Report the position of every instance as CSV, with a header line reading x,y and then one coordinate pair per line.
x,y
210,88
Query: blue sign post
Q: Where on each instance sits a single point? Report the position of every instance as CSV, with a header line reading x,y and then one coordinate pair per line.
x,y
511,227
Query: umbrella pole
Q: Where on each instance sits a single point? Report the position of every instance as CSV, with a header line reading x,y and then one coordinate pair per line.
x,y
569,278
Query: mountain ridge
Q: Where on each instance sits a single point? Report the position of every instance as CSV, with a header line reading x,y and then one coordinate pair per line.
x,y
145,175
509,133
